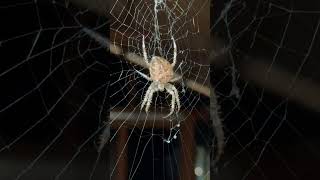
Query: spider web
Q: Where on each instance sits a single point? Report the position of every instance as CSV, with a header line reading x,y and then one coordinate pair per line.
x,y
70,78
71,94
158,22
269,49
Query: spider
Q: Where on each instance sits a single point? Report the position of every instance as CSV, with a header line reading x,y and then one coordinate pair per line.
x,y
161,75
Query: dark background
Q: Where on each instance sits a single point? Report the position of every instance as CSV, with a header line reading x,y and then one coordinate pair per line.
x,y
249,121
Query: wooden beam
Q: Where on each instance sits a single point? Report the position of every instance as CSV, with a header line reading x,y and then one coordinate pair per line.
x,y
141,119
188,147
122,155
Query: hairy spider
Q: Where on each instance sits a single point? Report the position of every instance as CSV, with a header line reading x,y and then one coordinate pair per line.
x,y
161,75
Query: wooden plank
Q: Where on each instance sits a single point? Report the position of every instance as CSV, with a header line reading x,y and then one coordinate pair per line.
x,y
122,154
188,147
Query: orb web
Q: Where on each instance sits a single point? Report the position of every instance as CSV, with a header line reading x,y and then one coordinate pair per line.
x,y
158,22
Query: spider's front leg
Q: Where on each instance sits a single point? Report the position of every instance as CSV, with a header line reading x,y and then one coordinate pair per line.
x,y
174,52
145,55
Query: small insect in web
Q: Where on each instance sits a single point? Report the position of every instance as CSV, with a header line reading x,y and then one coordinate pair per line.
x,y
161,75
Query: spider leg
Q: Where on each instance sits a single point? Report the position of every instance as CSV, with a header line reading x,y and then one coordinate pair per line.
x,y
148,97
144,75
174,52
177,97
173,99
145,56
149,100
145,99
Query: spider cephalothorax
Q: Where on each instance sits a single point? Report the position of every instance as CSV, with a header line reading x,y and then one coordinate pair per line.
x,y
161,75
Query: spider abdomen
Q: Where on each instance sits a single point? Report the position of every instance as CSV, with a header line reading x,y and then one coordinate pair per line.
x,y
160,70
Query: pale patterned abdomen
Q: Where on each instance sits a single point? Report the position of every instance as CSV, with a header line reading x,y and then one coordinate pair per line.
x,y
160,70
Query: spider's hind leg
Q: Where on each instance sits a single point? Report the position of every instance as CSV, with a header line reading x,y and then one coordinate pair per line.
x,y
177,99
148,98
173,101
